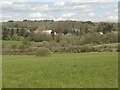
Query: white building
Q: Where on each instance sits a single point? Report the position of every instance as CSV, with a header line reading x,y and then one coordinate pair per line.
x,y
35,32
115,32
48,31
28,31
101,33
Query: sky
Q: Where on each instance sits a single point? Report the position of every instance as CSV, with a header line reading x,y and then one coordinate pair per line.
x,y
79,10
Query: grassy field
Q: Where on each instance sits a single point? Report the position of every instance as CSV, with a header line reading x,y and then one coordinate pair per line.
x,y
81,70
110,44
9,43
12,42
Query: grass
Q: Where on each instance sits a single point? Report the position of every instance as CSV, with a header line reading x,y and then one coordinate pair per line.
x,y
110,44
80,70
9,43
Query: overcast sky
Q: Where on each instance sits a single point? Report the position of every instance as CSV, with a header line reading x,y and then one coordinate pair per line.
x,y
105,10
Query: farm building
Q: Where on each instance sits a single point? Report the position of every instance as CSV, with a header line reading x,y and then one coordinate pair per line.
x,y
101,33
49,32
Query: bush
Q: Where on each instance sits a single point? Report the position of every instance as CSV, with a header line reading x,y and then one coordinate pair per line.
x,y
22,46
14,46
87,48
63,43
106,48
93,38
41,37
3,46
16,37
58,38
12,52
42,52
71,39
119,47
110,38
25,42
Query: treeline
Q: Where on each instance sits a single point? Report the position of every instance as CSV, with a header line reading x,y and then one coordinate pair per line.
x,y
19,28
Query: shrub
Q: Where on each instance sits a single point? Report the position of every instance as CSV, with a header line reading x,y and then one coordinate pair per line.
x,y
22,46
41,44
25,42
12,52
42,52
41,37
73,49
58,38
106,48
46,44
16,37
30,51
91,39
118,47
86,48
3,46
110,38
14,46
71,39
63,43
56,49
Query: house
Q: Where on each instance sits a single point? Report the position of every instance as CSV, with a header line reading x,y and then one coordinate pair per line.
x,y
75,30
36,32
115,32
28,31
101,33
49,32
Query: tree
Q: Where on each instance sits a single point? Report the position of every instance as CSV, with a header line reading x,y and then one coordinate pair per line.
x,y
22,32
86,30
65,31
12,32
5,33
52,33
17,31
59,29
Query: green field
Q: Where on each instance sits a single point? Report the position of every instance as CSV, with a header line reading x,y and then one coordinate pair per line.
x,y
9,43
81,70
110,44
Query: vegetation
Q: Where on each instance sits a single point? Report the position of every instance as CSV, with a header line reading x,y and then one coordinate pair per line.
x,y
71,36
41,37
28,63
20,28
64,46
9,43
43,52
81,70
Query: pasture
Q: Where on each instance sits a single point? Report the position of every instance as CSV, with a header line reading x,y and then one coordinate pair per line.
x,y
72,70
9,43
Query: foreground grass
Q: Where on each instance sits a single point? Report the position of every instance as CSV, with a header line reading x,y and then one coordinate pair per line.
x,y
85,70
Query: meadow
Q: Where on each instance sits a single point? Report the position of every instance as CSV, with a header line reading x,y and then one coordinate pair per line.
x,y
9,43
72,70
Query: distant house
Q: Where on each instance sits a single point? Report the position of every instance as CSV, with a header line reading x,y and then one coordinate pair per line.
x,y
49,32
35,32
28,31
115,32
101,33
75,30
